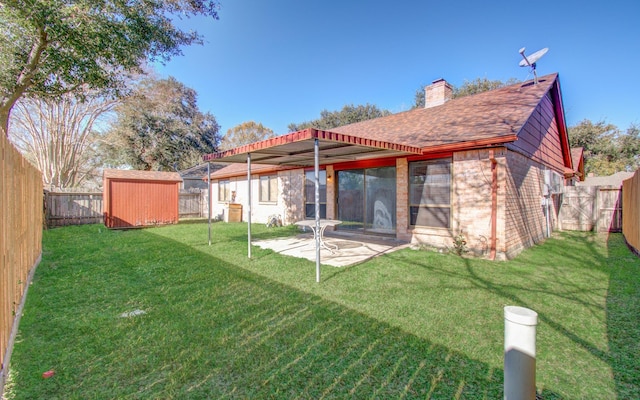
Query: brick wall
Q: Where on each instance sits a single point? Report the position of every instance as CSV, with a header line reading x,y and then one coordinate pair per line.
x,y
520,218
470,203
402,201
472,181
331,193
525,221
439,92
290,197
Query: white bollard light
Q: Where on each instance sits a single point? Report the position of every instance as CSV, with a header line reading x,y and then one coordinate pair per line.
x,y
519,353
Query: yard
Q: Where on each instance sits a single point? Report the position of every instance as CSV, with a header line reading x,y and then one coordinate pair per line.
x,y
157,313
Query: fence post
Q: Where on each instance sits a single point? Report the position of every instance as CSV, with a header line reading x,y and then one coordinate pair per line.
x,y
519,353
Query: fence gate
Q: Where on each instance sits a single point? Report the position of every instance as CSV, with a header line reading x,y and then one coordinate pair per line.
x,y
585,208
609,207
577,210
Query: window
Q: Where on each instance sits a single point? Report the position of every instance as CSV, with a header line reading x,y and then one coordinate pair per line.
x,y
224,191
430,193
310,194
269,188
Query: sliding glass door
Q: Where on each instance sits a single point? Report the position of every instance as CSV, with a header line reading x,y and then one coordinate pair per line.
x,y
367,200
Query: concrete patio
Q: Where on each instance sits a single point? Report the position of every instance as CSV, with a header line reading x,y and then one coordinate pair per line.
x,y
352,249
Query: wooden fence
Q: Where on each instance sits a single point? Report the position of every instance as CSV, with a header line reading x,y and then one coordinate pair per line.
x,y
77,208
72,208
586,208
631,207
193,204
20,241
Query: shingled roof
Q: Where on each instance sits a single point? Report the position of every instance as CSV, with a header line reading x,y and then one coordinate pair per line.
x,y
493,115
141,175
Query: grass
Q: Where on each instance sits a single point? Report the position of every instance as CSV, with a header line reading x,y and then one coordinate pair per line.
x,y
410,324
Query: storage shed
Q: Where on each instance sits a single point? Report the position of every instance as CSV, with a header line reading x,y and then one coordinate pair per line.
x,y
140,198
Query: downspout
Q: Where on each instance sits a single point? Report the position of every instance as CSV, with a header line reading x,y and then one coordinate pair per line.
x,y
494,204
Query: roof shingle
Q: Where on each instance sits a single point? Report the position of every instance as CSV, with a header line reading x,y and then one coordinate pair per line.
x,y
494,114
142,175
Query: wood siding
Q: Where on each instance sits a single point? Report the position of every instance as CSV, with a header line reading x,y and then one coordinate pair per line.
x,y
631,211
138,203
539,138
20,240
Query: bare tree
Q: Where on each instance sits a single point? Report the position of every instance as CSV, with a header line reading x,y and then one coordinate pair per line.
x,y
60,136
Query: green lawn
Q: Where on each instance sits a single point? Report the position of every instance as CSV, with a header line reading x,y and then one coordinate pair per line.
x,y
410,324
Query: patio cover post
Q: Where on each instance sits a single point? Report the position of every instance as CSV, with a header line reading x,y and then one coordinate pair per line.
x,y
249,207
316,169
209,198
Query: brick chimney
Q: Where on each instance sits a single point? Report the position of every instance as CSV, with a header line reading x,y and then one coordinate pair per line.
x,y
438,93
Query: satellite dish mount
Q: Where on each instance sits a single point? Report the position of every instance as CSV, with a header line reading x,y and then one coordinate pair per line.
x,y
531,60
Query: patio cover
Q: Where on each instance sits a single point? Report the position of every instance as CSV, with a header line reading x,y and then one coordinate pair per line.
x,y
309,147
297,149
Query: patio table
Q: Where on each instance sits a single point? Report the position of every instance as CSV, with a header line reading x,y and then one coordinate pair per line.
x,y
324,223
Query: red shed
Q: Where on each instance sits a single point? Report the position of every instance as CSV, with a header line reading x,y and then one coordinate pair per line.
x,y
140,198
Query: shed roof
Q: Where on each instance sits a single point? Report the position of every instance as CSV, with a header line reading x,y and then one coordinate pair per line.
x,y
141,175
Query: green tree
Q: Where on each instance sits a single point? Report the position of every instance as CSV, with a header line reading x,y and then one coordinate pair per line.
x,y
52,47
160,128
475,86
598,142
629,145
607,150
245,133
480,85
349,114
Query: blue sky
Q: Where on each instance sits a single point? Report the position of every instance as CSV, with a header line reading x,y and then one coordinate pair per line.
x,y
283,61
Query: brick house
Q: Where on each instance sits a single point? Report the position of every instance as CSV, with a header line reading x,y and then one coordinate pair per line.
x,y
490,166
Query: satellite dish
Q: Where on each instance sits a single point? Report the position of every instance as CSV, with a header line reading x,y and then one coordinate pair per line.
x,y
531,60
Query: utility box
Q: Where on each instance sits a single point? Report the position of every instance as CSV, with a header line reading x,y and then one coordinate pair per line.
x,y
234,213
140,198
